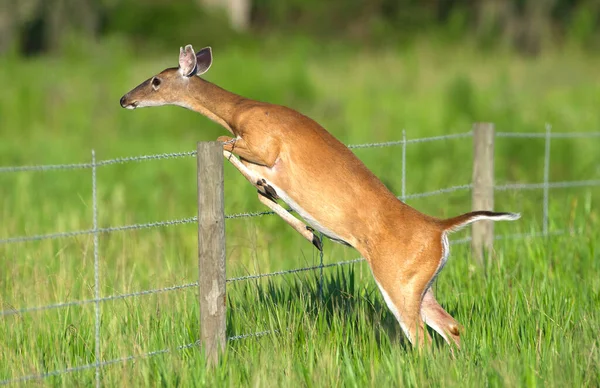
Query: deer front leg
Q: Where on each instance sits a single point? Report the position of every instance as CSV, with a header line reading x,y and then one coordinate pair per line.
x,y
238,145
261,156
295,223
267,196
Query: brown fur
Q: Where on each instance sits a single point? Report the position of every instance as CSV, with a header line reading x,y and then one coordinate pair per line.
x,y
402,246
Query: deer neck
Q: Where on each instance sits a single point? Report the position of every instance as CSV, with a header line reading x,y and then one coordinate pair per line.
x,y
214,102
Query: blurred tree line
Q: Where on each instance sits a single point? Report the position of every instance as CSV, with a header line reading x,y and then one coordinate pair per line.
x,y
39,26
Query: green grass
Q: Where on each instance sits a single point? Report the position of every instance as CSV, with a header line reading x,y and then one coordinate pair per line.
x,y
531,320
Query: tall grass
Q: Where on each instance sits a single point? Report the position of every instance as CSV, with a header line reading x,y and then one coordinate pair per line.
x,y
531,320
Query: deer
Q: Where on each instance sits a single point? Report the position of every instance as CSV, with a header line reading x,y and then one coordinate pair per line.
x,y
288,156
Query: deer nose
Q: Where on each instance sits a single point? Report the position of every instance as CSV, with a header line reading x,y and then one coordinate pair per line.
x,y
122,101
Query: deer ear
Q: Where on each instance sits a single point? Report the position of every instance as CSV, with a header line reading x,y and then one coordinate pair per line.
x,y
204,60
187,61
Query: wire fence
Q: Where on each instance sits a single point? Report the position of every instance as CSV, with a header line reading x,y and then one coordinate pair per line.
x,y
96,231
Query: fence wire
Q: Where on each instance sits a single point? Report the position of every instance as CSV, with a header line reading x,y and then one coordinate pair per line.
x,y
411,141
538,135
110,229
549,185
111,298
96,365
96,231
124,359
242,278
176,155
194,219
107,162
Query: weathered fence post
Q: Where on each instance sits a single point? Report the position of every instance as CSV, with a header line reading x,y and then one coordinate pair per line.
x,y
211,249
483,189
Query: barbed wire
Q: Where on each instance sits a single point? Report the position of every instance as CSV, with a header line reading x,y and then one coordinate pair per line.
x,y
119,360
46,167
107,162
89,301
101,364
440,191
249,277
175,155
143,158
246,277
542,135
162,290
96,231
291,271
189,220
230,338
519,236
249,214
109,229
410,141
551,185
258,334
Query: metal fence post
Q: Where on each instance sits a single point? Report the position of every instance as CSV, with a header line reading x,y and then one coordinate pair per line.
x,y
97,349
211,249
483,189
546,178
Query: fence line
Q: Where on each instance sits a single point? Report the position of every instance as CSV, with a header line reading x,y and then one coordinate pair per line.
x,y
241,278
102,299
107,162
549,185
110,229
559,135
96,231
176,155
96,365
194,219
119,360
235,337
411,141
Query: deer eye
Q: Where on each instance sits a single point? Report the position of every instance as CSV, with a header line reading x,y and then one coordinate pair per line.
x,y
155,83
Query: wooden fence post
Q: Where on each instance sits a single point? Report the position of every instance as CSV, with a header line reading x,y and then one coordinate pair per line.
x,y
211,249
483,189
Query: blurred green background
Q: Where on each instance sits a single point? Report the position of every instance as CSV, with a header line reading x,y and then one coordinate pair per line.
x,y
365,70
528,26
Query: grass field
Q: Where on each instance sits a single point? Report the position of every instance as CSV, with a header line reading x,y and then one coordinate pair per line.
x,y
531,320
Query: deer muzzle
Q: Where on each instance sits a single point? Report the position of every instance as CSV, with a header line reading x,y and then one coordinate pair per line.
x,y
128,103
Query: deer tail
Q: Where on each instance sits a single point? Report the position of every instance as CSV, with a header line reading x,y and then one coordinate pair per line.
x,y
456,223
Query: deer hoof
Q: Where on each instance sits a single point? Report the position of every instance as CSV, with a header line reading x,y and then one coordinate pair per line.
x,y
317,242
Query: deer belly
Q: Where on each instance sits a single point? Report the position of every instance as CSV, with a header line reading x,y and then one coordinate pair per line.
x,y
310,220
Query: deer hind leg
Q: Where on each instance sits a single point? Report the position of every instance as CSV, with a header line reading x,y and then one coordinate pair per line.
x,y
403,282
432,313
404,303
267,196
439,320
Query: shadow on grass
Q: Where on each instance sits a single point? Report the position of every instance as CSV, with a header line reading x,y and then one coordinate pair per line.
x,y
301,301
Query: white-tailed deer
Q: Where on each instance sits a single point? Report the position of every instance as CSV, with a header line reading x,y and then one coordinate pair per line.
x,y
289,156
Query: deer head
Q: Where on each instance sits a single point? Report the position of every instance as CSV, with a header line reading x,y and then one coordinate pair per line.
x,y
166,87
